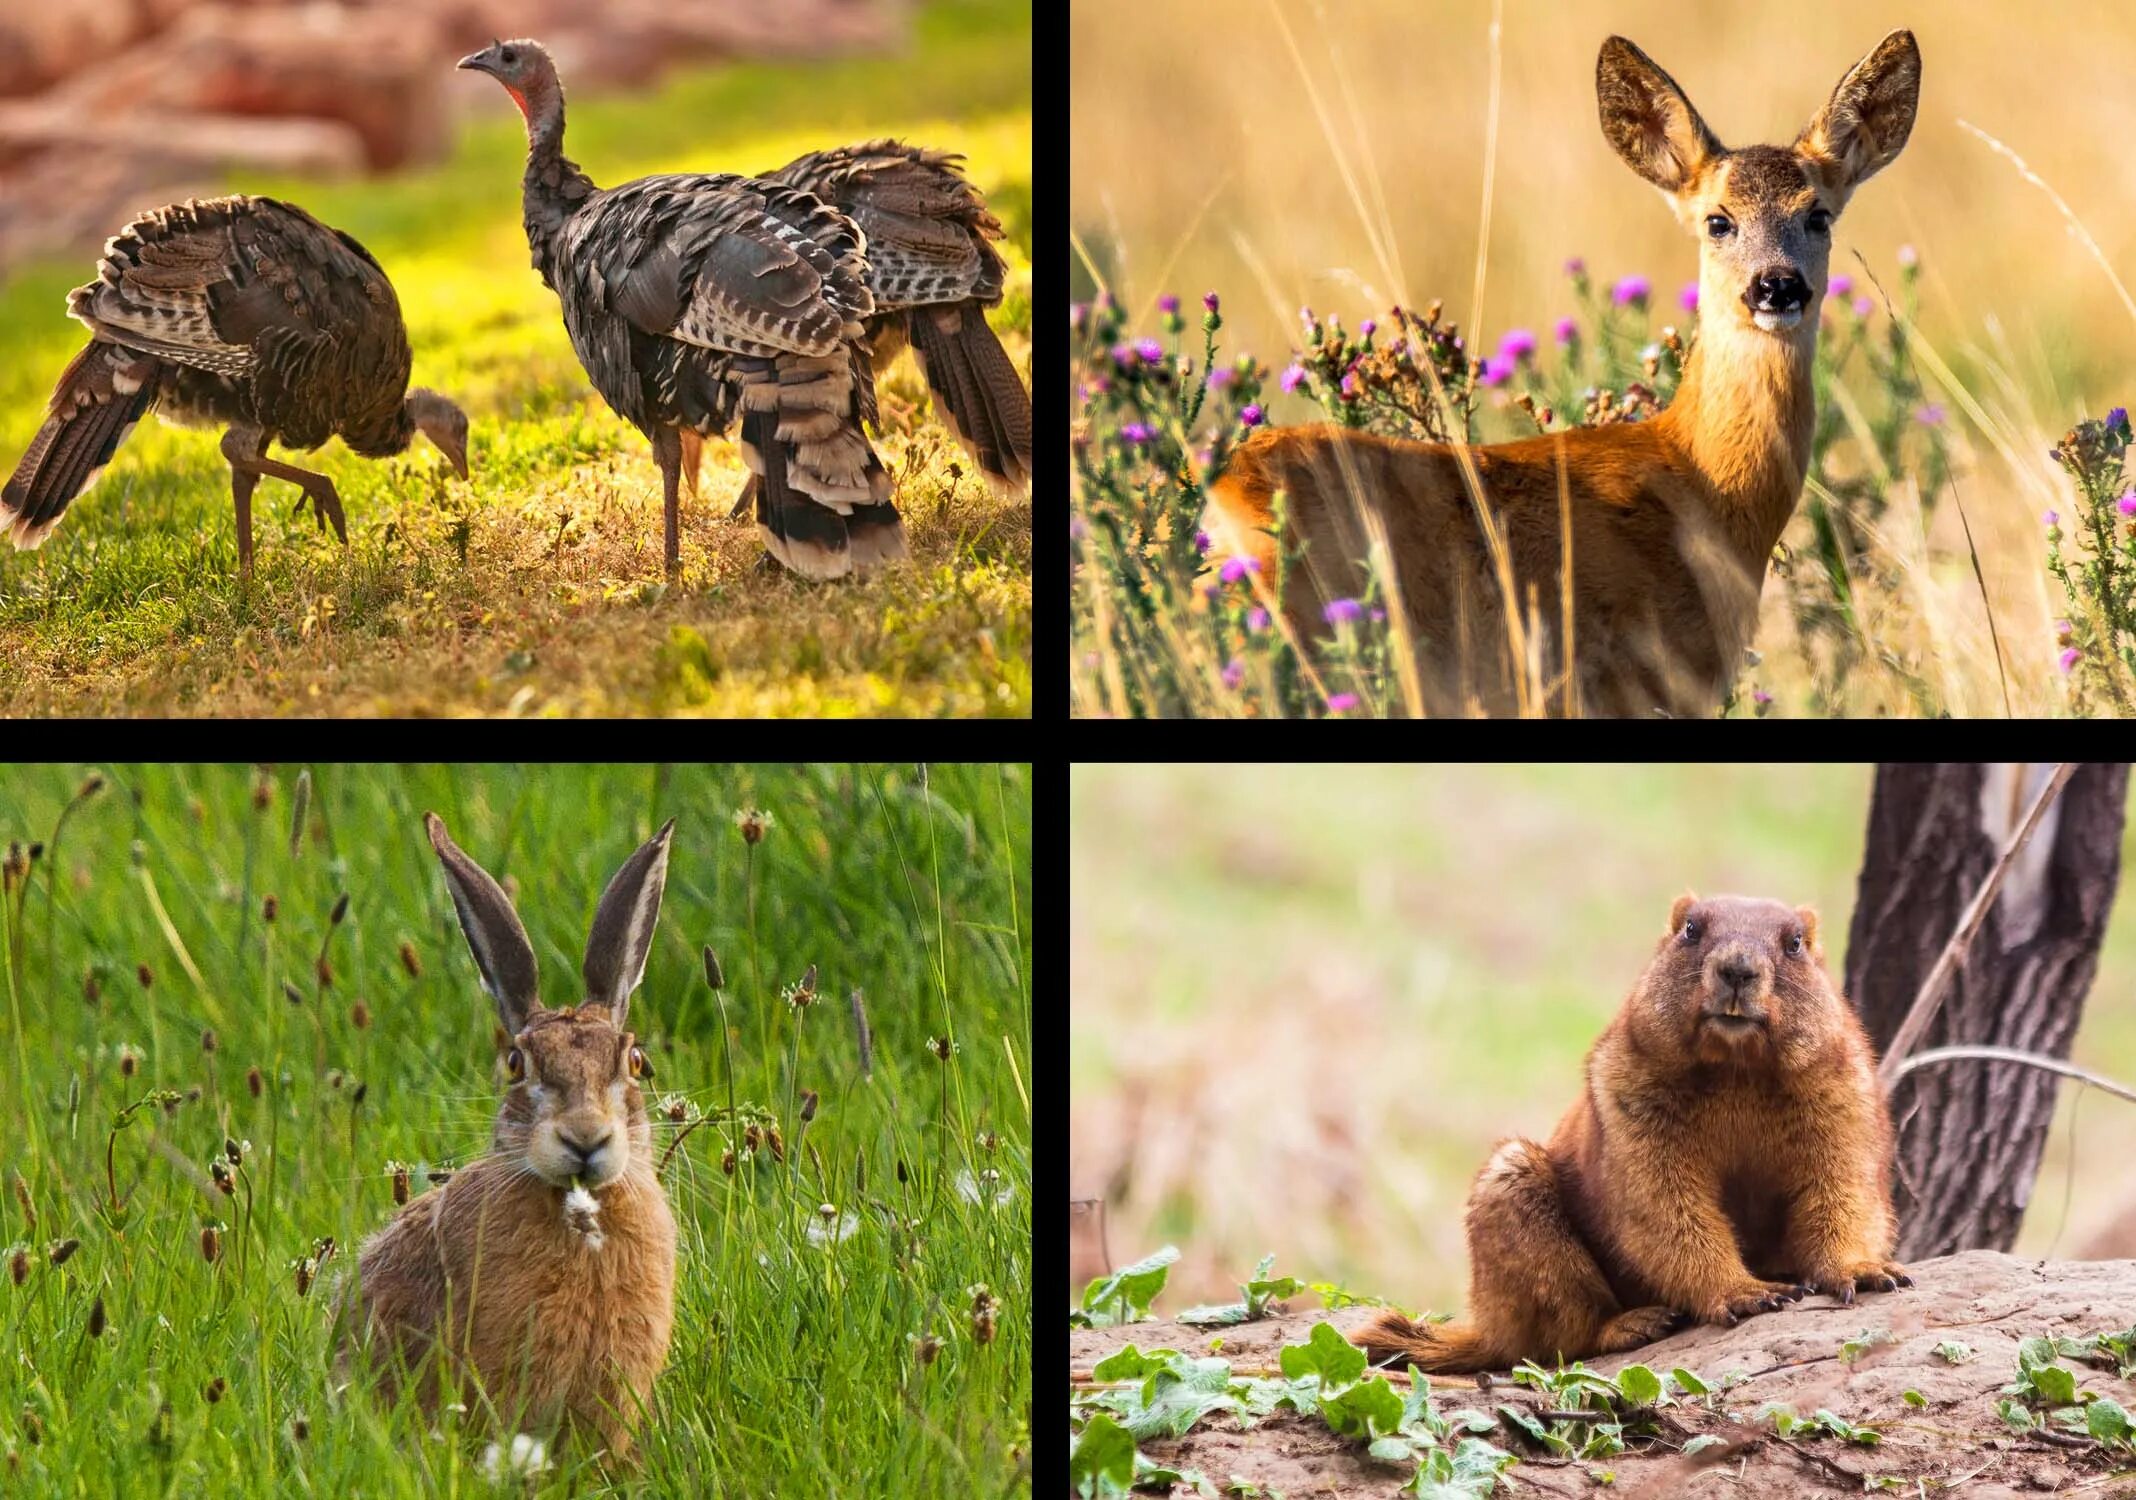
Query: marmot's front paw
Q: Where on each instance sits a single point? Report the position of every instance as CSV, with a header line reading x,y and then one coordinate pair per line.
x,y
1739,1302
1861,1275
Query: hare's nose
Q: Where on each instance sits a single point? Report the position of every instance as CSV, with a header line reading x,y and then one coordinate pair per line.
x,y
585,1150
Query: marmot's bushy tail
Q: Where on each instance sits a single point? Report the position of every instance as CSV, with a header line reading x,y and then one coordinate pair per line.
x,y
100,395
1434,1348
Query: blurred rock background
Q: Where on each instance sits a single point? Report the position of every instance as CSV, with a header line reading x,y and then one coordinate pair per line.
x,y
111,106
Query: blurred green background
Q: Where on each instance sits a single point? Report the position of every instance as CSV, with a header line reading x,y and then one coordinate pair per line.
x,y
1307,999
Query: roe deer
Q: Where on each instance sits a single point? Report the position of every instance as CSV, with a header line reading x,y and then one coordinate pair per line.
x,y
1671,520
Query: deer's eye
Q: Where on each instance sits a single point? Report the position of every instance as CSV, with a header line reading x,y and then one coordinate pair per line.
x,y
1820,221
1719,226
515,1063
640,1065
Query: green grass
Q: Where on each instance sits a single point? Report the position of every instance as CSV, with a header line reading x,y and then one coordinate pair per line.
x,y
537,587
794,1368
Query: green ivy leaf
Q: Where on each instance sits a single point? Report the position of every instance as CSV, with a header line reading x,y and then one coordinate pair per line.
x,y
1368,1409
2056,1386
1326,1354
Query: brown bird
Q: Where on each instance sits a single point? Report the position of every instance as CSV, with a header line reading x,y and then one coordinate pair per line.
x,y
240,312
692,298
933,270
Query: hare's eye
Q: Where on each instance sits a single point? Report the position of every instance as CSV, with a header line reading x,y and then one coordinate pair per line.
x,y
515,1063
640,1066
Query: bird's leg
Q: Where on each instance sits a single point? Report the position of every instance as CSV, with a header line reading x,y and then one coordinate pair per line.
x,y
326,502
693,457
241,445
745,499
667,452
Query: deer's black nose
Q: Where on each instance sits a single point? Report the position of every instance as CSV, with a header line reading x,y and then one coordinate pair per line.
x,y
1777,291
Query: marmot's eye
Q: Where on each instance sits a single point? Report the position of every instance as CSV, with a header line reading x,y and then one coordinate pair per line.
x,y
640,1065
515,1063
1794,945
1691,931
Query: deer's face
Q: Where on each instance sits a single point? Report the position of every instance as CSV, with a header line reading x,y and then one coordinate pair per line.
x,y
1763,214
1765,236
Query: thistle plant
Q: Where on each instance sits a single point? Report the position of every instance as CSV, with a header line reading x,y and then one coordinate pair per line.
x,y
2094,559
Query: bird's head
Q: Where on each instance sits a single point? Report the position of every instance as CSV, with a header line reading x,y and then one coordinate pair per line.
x,y
522,66
438,419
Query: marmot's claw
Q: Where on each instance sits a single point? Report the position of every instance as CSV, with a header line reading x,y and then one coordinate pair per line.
x,y
1846,1294
1905,1281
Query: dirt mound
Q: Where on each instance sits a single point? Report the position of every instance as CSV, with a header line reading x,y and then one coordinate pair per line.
x,y
1938,1420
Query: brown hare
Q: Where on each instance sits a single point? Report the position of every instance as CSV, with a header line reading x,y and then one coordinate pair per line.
x,y
541,1277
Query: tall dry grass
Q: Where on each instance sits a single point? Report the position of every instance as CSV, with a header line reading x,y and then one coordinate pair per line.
x,y
1357,156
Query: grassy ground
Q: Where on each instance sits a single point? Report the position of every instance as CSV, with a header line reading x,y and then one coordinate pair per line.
x,y
796,1366
1360,157
537,587
1307,1004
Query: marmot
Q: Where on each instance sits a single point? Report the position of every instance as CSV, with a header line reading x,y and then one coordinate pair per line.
x,y
1731,1153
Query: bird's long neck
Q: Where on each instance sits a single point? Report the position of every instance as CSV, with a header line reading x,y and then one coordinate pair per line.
x,y
554,187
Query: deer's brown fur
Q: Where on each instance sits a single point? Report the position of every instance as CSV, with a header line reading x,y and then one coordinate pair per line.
x,y
1672,520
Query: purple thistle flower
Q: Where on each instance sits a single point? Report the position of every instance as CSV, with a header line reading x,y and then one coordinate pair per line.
x,y
2070,658
1908,257
1342,703
1576,267
1568,329
1349,387
2062,630
1257,619
1234,673
1201,541
1495,371
1123,355
1151,351
2127,504
2118,417
1305,316
1218,379
1687,299
1631,291
1760,697
1931,415
1367,328
1343,612
1292,378
2052,518
1138,433
1168,303
1379,616
1077,529
1077,312
1209,300
1863,307
1517,344
1251,415
1237,568
1839,286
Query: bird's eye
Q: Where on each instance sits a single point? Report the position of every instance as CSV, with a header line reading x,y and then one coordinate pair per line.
x,y
640,1065
1691,931
508,55
1719,226
1820,221
515,1063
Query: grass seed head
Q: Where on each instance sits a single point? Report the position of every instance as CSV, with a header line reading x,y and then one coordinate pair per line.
x,y
220,1171
215,1390
92,987
753,823
808,1105
299,1427
62,1251
208,1039
306,1268
270,908
398,1170
233,1150
325,970
927,1346
409,960
96,1317
91,785
210,1243
942,1047
22,1196
867,1037
291,993
145,974
129,1061
713,976
359,1015
989,1142
253,1082
984,1308
18,1264
726,1161
335,917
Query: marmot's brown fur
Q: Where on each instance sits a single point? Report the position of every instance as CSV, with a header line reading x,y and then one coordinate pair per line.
x,y
1731,1153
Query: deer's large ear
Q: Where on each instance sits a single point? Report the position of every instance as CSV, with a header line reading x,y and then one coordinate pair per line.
x,y
623,925
1866,121
499,944
1648,121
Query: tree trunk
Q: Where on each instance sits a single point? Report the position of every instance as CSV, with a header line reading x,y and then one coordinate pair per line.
x,y
1970,1133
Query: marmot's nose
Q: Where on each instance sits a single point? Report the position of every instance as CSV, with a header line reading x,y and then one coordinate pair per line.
x,y
1735,973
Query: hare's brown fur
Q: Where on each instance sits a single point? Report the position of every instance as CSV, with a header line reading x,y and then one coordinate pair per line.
x,y
1730,1153
480,1288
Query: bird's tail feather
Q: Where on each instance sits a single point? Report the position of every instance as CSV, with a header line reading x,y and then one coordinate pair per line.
x,y
822,495
976,389
100,395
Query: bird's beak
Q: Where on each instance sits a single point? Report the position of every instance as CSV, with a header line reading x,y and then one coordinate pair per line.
x,y
459,461
479,61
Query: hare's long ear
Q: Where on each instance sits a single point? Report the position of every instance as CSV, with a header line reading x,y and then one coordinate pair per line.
x,y
494,935
623,926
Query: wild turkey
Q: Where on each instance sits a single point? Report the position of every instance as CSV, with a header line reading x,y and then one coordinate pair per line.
x,y
240,312
933,271
691,298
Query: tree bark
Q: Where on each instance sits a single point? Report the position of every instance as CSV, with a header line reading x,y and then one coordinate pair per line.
x,y
1970,1133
